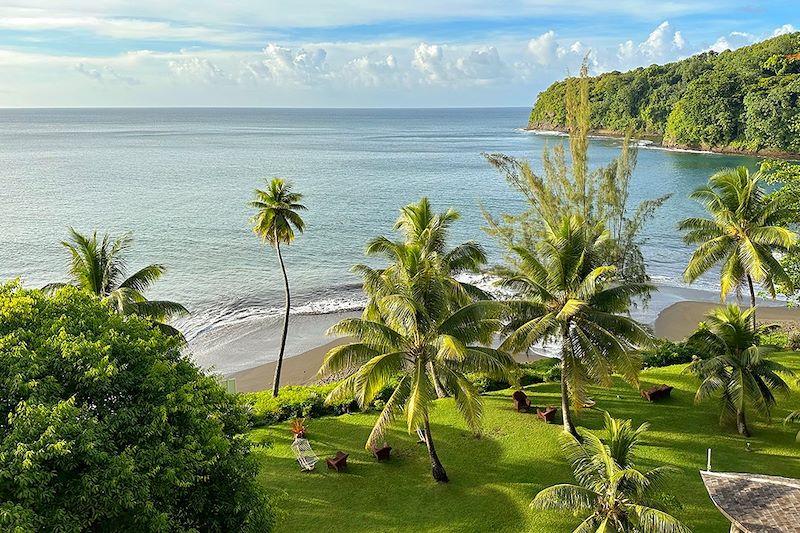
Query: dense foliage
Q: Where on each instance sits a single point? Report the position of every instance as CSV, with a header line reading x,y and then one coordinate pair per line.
x,y
105,426
745,99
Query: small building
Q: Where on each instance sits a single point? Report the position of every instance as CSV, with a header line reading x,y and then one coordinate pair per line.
x,y
754,503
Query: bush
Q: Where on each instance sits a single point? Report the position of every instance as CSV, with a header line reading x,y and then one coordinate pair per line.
x,y
774,338
302,401
105,426
546,369
668,353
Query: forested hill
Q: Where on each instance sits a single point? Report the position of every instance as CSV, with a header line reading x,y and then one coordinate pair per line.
x,y
743,100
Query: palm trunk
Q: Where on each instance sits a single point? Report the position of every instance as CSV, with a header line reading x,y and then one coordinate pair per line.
x,y
437,470
566,413
752,299
277,381
741,423
441,392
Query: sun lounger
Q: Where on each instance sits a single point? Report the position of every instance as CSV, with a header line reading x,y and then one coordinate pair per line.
x,y
659,392
382,454
521,402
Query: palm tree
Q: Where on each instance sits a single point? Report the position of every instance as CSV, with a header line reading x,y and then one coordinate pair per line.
x,y
794,416
99,266
745,229
276,222
620,497
739,369
414,330
564,294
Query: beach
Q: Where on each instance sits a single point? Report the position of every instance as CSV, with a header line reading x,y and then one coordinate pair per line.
x,y
679,320
305,352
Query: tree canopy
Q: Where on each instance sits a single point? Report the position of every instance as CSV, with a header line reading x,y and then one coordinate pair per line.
x,y
105,426
746,99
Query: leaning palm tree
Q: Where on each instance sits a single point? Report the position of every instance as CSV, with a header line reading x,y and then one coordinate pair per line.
x,y
276,222
744,231
99,266
738,369
794,416
619,497
564,294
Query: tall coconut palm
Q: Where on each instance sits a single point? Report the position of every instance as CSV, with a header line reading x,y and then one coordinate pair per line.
x,y
276,222
413,341
619,497
738,369
414,327
100,267
564,294
746,227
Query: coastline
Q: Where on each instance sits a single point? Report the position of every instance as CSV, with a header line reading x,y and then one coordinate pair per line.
x,y
657,142
675,320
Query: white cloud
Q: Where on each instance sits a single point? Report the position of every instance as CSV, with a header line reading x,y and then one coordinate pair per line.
x,y
482,64
198,69
362,71
295,66
429,61
783,30
544,48
104,74
733,40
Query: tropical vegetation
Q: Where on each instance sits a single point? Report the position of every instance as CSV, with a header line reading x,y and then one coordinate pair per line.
x,y
618,496
416,330
99,266
745,230
495,477
106,426
564,293
744,99
276,222
735,368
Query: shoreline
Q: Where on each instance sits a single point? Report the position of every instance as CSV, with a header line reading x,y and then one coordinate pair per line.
x,y
657,142
674,322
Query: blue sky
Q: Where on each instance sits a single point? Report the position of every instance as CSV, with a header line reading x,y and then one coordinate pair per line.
x,y
348,53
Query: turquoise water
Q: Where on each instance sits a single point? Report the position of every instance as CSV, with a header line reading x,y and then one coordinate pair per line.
x,y
179,179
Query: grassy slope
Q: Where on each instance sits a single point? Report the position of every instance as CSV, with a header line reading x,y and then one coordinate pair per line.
x,y
494,477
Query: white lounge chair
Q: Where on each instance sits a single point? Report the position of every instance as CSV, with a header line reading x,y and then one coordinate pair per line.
x,y
305,455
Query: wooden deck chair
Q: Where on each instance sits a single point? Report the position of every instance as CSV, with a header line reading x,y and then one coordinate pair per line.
x,y
304,454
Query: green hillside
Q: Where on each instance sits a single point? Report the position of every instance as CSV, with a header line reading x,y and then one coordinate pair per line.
x,y
742,100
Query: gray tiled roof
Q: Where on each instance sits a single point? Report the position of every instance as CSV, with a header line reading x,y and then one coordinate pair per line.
x,y
755,503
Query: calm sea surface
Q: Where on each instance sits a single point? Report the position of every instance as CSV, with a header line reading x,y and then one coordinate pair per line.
x,y
179,180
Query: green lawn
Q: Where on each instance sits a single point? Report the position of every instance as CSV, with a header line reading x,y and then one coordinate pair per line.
x,y
493,478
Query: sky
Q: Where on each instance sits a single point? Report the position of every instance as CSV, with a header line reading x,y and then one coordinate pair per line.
x,y
348,53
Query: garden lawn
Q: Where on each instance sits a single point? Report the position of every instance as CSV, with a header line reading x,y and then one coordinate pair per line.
x,y
494,477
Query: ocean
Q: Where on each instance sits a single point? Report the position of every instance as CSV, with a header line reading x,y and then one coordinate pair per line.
x,y
179,180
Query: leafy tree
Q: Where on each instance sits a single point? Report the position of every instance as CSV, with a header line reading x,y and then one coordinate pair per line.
x,y
786,175
105,426
564,293
276,221
414,330
620,497
736,367
740,99
745,229
100,267
567,186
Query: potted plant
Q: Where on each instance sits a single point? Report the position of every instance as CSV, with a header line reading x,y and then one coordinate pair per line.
x,y
298,427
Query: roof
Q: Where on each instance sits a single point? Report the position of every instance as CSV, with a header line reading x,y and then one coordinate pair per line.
x,y
756,503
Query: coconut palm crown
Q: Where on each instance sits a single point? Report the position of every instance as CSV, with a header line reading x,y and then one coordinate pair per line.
x,y
276,221
99,266
738,369
744,230
564,294
619,497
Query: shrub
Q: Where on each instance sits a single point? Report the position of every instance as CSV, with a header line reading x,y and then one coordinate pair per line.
x,y
774,338
537,371
301,401
105,426
668,353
